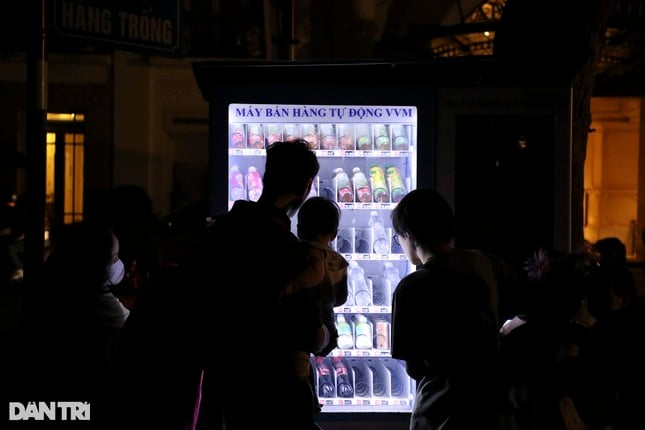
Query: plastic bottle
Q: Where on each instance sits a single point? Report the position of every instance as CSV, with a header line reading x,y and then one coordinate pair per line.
x,y
237,136
391,274
254,183
345,338
236,184
381,137
344,387
360,287
343,186
399,137
361,186
397,189
391,278
363,330
256,136
346,134
379,185
325,379
380,242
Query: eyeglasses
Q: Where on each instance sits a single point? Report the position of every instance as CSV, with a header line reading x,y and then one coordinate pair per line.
x,y
395,239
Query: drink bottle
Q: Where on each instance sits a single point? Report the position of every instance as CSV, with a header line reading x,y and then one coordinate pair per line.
x,y
391,278
237,136
346,134
310,134
380,241
256,136
236,184
381,137
382,337
254,183
363,138
274,133
328,137
399,137
379,186
325,380
361,186
343,186
397,189
344,387
356,277
345,338
363,333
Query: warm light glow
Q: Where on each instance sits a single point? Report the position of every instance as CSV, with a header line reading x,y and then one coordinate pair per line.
x,y
66,117
73,171
49,169
487,34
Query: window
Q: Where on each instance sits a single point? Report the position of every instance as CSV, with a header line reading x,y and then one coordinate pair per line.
x,y
65,166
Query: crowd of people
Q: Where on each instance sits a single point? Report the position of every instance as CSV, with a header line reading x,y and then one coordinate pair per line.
x,y
556,344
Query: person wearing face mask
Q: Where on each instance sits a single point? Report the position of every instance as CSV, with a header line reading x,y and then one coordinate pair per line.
x,y
74,321
110,311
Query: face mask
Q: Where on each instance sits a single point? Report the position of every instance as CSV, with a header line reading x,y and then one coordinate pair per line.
x,y
115,272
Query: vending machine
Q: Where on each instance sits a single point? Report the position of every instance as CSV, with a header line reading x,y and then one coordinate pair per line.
x,y
367,156
379,130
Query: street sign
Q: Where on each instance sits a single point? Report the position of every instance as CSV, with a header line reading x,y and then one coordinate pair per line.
x,y
144,25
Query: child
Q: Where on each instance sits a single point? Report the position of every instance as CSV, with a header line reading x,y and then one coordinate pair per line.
x,y
318,220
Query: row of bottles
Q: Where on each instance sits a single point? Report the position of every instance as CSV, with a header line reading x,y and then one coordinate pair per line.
x,y
361,332
384,185
240,183
380,137
347,378
372,290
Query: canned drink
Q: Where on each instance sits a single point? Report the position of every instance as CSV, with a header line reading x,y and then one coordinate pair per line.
x,y
382,331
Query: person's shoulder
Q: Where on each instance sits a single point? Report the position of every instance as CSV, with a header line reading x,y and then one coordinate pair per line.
x,y
337,260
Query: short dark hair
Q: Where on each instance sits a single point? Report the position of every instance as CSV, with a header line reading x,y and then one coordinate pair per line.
x,y
318,215
289,167
425,215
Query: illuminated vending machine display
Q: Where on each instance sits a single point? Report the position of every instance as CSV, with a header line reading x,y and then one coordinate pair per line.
x,y
368,157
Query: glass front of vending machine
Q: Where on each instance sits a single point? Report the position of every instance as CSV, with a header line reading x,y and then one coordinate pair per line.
x,y
368,162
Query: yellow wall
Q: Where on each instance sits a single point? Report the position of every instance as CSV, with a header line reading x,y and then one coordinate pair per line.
x,y
612,173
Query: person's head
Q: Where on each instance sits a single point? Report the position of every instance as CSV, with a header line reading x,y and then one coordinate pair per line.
x,y
557,293
289,172
131,208
424,218
318,219
611,290
612,251
86,256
